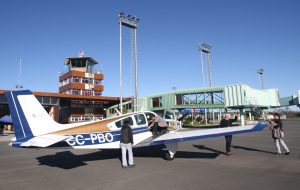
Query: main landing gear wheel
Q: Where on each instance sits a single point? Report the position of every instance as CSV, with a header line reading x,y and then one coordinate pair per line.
x,y
172,149
168,156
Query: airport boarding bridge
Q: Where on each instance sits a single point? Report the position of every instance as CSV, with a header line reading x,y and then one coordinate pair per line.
x,y
290,100
210,101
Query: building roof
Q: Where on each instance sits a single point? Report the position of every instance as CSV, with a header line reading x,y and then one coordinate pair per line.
x,y
67,60
107,99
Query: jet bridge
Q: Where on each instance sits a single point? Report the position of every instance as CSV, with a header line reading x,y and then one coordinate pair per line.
x,y
243,97
212,101
290,100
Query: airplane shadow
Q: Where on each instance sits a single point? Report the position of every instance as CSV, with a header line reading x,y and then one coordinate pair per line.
x,y
252,149
159,151
68,160
63,160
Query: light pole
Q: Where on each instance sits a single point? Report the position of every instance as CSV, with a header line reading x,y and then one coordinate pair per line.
x,y
206,49
202,66
19,85
132,23
121,79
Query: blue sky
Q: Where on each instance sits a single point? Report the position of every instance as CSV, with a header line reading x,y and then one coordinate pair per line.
x,y
245,36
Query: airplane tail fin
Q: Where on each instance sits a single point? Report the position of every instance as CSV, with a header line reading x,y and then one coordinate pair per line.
x,y
29,117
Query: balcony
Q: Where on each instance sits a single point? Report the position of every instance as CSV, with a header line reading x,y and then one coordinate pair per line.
x,y
81,74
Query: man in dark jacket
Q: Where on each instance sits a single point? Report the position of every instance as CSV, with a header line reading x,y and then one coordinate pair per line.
x,y
227,122
126,145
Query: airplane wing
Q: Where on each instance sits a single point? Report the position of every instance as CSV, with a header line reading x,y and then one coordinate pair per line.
x,y
189,135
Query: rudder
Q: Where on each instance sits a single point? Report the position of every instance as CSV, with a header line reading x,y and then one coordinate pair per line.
x,y
21,126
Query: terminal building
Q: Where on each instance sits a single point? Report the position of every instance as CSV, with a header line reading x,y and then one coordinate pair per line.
x,y
210,102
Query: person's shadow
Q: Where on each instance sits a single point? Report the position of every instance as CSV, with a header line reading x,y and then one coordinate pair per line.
x,y
252,149
203,147
235,147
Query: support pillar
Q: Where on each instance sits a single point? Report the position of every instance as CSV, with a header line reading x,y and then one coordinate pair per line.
x,y
213,115
242,116
205,115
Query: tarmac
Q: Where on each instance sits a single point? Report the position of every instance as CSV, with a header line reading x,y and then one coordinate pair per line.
x,y
198,164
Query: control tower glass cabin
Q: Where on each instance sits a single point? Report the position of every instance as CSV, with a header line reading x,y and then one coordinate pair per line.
x,y
81,78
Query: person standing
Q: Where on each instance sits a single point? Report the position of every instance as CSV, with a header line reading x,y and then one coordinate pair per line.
x,y
126,143
2,128
227,122
278,135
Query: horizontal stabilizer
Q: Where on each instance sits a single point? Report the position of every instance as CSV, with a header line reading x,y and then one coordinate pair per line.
x,y
44,140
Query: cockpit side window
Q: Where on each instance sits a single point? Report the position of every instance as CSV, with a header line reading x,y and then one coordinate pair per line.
x,y
169,115
120,123
140,119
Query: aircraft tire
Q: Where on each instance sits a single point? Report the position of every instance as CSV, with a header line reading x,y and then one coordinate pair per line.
x,y
168,156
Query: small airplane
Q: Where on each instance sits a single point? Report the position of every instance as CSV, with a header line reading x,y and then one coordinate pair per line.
x,y
35,128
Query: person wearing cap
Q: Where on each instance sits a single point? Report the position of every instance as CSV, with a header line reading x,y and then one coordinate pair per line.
x,y
126,143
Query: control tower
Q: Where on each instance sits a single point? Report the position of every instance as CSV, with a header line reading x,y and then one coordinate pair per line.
x,y
81,78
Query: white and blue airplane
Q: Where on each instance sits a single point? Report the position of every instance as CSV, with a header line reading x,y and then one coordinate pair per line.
x,y
35,128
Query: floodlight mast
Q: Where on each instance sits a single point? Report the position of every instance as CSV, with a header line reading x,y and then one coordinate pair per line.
x,y
132,23
205,48
121,77
260,73
202,65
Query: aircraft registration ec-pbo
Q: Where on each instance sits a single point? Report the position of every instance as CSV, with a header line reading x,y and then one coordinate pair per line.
x,y
35,128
